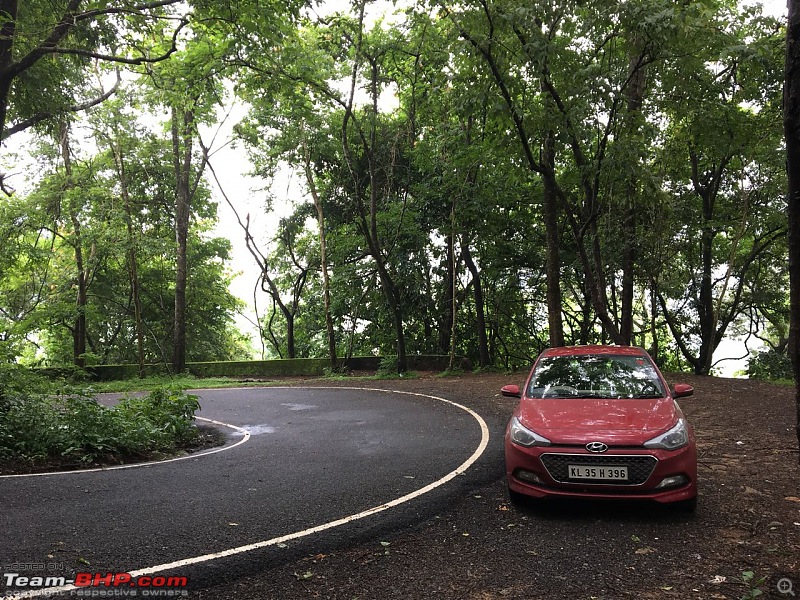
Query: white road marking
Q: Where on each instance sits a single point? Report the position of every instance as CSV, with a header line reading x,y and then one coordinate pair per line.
x,y
242,430
460,470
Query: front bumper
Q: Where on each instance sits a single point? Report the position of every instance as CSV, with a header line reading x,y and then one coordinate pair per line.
x,y
660,475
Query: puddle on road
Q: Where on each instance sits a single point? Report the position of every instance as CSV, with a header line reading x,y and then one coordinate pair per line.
x,y
292,406
258,429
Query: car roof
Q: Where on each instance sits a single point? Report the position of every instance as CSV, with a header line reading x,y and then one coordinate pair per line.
x,y
594,349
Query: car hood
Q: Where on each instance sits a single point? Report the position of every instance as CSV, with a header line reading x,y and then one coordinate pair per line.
x,y
624,421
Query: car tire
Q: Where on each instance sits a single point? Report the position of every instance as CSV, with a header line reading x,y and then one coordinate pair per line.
x,y
518,499
687,506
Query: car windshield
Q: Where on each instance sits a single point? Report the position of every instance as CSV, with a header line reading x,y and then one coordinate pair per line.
x,y
595,376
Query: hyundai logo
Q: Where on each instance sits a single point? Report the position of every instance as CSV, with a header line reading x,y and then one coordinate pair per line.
x,y
596,447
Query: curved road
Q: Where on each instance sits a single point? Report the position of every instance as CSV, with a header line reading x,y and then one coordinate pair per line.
x,y
314,457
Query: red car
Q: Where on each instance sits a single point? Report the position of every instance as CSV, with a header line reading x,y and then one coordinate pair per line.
x,y
600,422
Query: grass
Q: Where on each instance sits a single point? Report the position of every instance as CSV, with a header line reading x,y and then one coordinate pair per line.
x,y
191,382
179,381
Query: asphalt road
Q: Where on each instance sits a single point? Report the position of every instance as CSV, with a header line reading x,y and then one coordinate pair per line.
x,y
314,456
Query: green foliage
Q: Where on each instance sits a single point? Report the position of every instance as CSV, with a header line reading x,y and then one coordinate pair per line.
x,y
753,585
121,197
58,48
388,366
688,179
770,364
74,425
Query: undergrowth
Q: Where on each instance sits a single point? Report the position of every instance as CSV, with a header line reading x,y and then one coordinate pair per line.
x,y
41,420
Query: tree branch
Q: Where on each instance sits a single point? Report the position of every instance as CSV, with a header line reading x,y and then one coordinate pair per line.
x,y
43,116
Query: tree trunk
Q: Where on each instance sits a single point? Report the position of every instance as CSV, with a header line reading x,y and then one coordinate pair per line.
x,y
706,309
133,271
446,307
480,310
654,349
8,12
791,122
182,124
594,273
369,219
553,256
634,96
137,296
290,350
323,258
451,267
79,327
628,262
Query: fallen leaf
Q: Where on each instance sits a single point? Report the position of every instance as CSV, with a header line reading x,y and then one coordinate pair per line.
x,y
792,499
717,579
645,550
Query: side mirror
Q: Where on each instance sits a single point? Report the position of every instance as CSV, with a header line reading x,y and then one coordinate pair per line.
x,y
511,391
682,390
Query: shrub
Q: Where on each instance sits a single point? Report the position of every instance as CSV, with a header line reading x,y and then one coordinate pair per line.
x,y
388,367
770,364
76,426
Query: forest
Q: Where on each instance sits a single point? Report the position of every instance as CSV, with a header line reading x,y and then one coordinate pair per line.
x,y
481,179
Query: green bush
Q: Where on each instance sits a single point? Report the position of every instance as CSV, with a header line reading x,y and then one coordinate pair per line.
x,y
770,364
75,426
388,366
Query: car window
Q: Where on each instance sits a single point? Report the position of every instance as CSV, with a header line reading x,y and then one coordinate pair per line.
x,y
595,376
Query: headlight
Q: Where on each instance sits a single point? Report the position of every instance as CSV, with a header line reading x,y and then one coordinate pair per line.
x,y
673,439
523,436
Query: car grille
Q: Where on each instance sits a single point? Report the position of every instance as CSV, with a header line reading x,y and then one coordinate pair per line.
x,y
640,467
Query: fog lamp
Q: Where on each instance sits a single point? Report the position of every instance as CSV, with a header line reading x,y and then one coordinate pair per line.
x,y
673,481
528,477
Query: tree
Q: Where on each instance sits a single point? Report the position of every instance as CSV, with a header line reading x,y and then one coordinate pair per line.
x,y
530,54
189,87
33,90
791,104
720,161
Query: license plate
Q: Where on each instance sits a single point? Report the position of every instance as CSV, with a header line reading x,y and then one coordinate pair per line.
x,y
596,472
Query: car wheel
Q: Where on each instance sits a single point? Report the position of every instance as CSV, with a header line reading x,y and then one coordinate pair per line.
x,y
518,499
687,506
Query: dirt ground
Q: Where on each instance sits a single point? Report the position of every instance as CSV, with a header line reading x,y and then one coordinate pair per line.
x,y
743,540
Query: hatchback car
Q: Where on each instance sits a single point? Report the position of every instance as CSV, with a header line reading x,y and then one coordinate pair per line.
x,y
600,422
